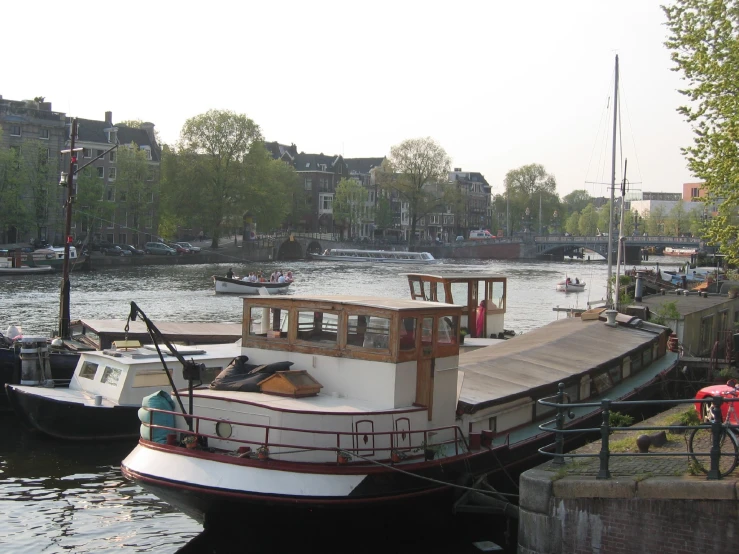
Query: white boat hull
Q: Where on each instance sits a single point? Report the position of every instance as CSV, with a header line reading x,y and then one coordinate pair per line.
x,y
571,287
225,285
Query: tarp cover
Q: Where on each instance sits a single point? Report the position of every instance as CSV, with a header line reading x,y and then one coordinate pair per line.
x,y
160,400
240,376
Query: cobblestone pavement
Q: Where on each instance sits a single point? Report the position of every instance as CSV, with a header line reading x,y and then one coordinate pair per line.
x,y
651,464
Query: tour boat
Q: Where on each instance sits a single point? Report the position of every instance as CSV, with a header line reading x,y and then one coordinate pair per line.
x,y
670,251
224,285
371,403
374,256
106,390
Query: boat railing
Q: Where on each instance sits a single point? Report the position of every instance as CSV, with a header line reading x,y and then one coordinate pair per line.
x,y
564,410
370,445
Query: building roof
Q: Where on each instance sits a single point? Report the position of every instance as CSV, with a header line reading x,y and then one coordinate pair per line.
x,y
278,150
362,165
92,130
315,162
685,305
393,304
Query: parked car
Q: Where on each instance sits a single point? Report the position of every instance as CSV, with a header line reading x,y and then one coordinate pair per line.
x,y
190,247
114,250
101,245
159,248
132,249
179,249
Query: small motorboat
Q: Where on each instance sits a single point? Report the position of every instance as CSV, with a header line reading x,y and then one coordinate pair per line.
x,y
224,285
569,285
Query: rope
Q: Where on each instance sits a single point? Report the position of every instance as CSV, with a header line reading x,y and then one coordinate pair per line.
x,y
429,479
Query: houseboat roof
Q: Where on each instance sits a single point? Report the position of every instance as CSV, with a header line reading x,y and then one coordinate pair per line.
x,y
685,305
551,354
178,331
457,276
393,304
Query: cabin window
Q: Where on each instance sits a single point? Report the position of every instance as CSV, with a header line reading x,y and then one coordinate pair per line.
x,y
427,331
315,326
209,373
572,393
408,334
417,290
636,364
448,330
271,323
150,378
459,294
615,373
601,383
88,370
497,296
368,331
647,357
111,376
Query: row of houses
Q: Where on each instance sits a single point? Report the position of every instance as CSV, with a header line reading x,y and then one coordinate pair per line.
x,y
31,126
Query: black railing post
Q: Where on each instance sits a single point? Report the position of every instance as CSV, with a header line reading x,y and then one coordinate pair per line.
x,y
559,439
605,431
716,430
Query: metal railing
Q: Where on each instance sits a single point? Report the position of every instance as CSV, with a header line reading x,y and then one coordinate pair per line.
x,y
360,441
564,410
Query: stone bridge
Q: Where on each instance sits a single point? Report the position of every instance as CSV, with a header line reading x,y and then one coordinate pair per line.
x,y
559,246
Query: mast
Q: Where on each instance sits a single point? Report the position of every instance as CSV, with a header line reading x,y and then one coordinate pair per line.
x,y
64,315
621,237
609,296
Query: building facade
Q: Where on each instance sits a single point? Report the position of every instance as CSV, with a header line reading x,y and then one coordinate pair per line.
x,y
33,201
131,216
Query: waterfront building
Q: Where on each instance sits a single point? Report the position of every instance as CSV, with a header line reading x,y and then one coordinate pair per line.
x,y
36,134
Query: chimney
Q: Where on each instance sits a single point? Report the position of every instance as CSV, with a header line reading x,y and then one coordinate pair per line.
x,y
109,118
457,169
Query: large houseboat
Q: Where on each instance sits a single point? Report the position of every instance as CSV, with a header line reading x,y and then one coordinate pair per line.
x,y
371,402
374,256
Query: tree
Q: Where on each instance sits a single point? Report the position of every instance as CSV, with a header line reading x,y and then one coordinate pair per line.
x,y
588,221
383,213
411,169
40,168
678,220
656,221
15,215
215,146
89,203
705,49
134,185
530,186
576,201
572,226
349,203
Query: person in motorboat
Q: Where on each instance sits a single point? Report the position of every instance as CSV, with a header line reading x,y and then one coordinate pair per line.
x,y
281,279
577,280
229,274
289,277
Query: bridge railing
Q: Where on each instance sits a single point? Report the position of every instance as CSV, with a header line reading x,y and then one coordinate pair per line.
x,y
634,239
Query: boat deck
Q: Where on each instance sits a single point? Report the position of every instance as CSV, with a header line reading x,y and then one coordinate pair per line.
x,y
547,355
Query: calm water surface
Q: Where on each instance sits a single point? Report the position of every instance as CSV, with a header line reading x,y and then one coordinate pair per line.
x,y
68,497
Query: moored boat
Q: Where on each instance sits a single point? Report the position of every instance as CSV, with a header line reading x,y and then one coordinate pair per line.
x,y
679,251
374,404
374,256
224,285
569,285
107,388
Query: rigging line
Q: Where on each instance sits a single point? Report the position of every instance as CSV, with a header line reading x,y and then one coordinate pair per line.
x,y
633,135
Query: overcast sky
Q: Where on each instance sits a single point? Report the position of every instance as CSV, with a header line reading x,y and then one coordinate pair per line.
x,y
499,84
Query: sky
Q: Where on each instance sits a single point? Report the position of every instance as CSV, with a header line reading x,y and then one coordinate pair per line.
x,y
498,84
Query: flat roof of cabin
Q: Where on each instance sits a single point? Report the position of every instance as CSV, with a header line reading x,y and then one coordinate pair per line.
x,y
538,358
147,354
395,304
458,276
229,332
685,305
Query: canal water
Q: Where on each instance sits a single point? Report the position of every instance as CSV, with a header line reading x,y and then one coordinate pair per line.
x,y
60,496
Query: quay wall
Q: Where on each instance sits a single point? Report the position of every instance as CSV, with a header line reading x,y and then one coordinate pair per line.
x,y
640,514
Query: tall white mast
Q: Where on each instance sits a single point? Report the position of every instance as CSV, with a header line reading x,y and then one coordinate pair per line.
x,y
609,298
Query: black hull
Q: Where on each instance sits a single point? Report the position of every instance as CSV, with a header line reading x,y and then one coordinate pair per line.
x,y
62,365
71,421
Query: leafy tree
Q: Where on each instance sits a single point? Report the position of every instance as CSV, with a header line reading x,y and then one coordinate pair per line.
x,y
572,225
383,213
89,204
528,187
215,146
134,185
14,208
656,222
588,221
414,170
349,203
705,49
576,201
678,220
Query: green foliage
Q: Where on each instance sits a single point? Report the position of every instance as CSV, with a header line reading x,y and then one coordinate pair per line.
x,y
572,226
665,314
576,201
525,187
383,213
135,186
704,47
588,221
686,418
349,204
91,211
417,170
617,419
729,373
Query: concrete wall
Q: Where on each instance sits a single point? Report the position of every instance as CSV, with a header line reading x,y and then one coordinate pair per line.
x,y
579,514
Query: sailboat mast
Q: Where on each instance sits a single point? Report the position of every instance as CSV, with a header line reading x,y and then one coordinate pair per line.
x,y
621,256
609,299
64,314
